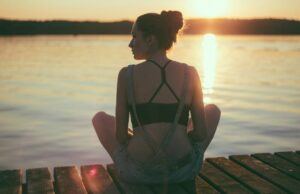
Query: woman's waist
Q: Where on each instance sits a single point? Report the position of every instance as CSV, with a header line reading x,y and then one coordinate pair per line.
x,y
141,151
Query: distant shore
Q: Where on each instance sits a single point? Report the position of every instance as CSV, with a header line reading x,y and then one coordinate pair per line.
x,y
192,26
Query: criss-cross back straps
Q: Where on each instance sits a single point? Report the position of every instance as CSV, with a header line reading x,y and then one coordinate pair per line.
x,y
172,129
163,80
132,102
130,92
161,153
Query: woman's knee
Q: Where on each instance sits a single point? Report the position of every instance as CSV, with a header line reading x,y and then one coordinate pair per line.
x,y
98,117
101,118
213,111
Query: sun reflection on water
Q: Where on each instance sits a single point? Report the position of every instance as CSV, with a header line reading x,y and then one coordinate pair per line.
x,y
209,60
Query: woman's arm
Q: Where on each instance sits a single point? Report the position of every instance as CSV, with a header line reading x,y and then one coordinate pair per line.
x,y
122,112
199,132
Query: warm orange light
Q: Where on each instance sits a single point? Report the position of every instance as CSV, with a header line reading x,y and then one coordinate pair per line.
x,y
209,60
209,8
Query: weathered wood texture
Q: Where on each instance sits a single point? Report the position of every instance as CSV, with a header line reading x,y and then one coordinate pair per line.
x,y
97,180
269,173
220,180
245,177
202,187
256,173
280,164
39,181
11,181
68,181
290,156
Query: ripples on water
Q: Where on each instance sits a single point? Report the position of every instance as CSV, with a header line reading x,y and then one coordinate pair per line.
x,y
52,85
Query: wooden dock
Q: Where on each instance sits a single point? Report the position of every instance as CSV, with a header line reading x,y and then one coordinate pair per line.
x,y
255,173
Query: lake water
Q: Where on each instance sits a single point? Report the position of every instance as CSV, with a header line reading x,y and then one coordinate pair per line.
x,y
51,86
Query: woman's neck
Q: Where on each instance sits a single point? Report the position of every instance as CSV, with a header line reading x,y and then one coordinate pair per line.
x,y
160,57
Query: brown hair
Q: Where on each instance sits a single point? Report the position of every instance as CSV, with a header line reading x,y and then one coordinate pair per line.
x,y
163,26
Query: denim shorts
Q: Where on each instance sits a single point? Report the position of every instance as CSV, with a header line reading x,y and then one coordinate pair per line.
x,y
129,171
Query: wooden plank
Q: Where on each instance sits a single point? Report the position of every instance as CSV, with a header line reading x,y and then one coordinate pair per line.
x,y
39,181
186,187
97,180
221,181
125,187
11,181
280,164
68,181
245,177
290,156
202,187
267,172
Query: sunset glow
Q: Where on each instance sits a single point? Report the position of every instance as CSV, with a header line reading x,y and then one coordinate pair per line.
x,y
114,10
210,8
209,61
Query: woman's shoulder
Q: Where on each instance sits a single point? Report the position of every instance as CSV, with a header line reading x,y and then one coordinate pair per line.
x,y
192,71
179,63
122,74
123,70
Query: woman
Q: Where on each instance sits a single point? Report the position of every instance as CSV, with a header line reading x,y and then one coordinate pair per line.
x,y
158,93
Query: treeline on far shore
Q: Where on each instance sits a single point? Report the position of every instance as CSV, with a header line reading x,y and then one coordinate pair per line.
x,y
192,26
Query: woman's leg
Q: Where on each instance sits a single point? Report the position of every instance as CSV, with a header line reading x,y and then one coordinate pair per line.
x,y
212,117
105,127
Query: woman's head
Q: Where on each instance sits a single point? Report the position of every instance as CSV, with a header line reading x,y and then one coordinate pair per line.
x,y
152,32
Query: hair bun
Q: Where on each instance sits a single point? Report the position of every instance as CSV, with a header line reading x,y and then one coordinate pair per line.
x,y
173,19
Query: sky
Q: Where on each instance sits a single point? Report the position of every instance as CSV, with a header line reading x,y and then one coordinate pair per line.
x,y
115,10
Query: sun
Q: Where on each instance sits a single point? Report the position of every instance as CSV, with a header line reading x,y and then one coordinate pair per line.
x,y
209,8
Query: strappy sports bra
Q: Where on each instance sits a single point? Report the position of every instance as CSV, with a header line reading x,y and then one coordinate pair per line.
x,y
150,112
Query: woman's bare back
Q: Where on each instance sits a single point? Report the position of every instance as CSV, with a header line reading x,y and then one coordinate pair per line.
x,y
147,78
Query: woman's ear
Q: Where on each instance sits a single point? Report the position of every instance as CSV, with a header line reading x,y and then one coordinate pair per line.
x,y
151,40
